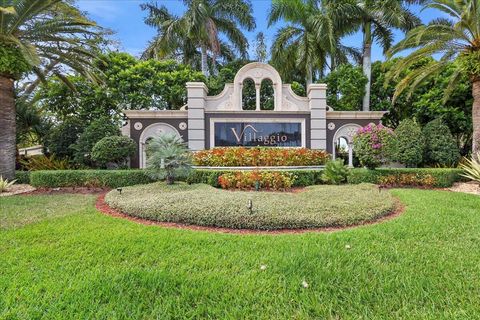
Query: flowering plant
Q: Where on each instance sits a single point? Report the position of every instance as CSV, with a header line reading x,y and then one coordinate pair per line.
x,y
257,156
248,180
372,145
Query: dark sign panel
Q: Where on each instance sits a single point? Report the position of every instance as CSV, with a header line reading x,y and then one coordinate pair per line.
x,y
252,134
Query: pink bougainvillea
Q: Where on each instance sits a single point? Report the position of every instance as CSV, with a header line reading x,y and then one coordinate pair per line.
x,y
372,143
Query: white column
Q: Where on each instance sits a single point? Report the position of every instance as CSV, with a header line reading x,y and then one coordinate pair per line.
x,y
257,96
350,155
196,93
317,100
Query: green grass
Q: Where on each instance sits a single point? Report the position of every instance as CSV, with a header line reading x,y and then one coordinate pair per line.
x,y
71,262
200,204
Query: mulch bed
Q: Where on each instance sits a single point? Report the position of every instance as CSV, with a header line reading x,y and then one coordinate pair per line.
x,y
103,207
68,190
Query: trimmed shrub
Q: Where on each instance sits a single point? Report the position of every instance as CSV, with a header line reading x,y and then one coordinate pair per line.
x,y
248,180
113,151
335,172
408,180
440,146
303,178
22,177
200,204
408,144
443,177
372,145
88,178
259,157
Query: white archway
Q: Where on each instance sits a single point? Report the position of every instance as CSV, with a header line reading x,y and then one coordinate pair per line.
x,y
258,71
152,131
346,131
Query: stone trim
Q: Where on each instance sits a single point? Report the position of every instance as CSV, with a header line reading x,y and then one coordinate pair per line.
x,y
157,114
373,115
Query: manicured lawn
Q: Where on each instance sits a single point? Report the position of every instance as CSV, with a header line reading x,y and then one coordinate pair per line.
x,y
71,262
200,204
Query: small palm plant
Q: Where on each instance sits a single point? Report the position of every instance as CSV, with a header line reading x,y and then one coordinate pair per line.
x,y
5,184
335,172
472,168
169,158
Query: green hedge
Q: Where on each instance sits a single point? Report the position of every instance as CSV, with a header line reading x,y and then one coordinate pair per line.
x,y
444,177
22,177
303,177
88,178
123,178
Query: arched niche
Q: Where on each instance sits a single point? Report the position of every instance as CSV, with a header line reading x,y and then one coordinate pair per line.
x,y
150,132
248,94
345,133
267,99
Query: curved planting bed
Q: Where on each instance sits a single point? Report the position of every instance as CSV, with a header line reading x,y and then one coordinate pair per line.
x,y
203,205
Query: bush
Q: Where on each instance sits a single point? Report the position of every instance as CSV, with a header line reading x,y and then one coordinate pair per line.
x,y
88,178
303,178
113,151
61,138
440,146
335,172
408,180
443,177
97,130
42,162
200,204
247,180
373,144
22,177
259,157
409,144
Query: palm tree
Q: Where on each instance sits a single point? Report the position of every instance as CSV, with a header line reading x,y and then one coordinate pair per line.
x,y
376,19
35,33
200,27
457,39
169,158
313,34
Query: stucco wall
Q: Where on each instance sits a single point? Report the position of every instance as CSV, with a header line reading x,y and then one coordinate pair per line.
x,y
135,134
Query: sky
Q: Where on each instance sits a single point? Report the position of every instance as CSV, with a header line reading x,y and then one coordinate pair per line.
x,y
126,19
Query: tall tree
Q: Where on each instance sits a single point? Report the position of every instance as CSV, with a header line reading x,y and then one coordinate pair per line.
x,y
456,38
200,27
33,32
376,20
312,35
260,47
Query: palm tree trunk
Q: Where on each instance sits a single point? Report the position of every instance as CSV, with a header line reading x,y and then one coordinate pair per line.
x,y
332,63
7,128
476,118
309,78
367,63
204,61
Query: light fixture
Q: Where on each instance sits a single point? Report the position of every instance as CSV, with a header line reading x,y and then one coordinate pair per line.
x,y
250,206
